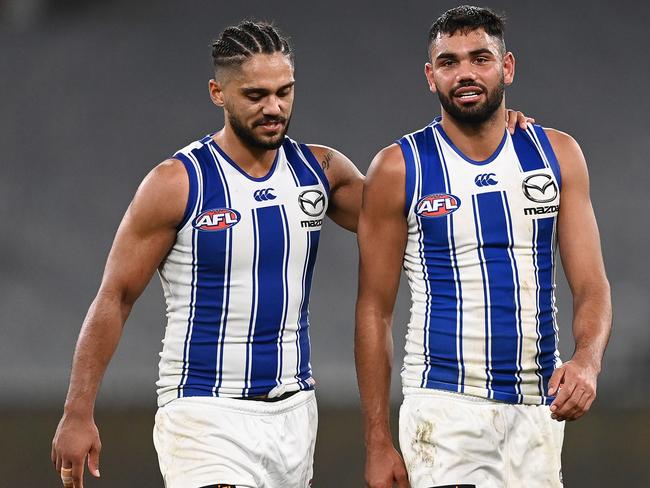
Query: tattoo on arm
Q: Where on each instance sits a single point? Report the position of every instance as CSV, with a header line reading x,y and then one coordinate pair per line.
x,y
325,163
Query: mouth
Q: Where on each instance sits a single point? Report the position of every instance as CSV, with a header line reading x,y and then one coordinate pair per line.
x,y
468,94
271,125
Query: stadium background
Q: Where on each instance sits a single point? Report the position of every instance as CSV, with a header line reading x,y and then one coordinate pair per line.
x,y
94,93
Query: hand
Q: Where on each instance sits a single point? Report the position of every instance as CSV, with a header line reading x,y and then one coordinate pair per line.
x,y
513,118
384,468
574,387
75,438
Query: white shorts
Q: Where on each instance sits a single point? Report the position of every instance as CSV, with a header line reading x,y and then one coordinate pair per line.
x,y
454,439
204,441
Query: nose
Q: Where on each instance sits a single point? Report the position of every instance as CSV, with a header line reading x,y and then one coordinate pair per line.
x,y
272,107
465,72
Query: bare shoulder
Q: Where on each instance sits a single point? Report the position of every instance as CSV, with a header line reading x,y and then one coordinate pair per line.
x,y
388,164
162,196
573,166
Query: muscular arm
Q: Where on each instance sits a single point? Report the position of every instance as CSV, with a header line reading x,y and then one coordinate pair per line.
x,y
382,239
582,260
144,237
346,185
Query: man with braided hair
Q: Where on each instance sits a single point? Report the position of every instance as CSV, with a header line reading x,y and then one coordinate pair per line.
x,y
232,223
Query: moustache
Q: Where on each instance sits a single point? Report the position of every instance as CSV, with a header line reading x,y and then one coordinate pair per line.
x,y
267,120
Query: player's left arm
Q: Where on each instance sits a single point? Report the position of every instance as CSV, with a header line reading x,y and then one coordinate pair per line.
x,y
574,383
346,186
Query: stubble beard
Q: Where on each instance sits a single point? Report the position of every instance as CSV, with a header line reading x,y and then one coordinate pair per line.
x,y
248,137
477,114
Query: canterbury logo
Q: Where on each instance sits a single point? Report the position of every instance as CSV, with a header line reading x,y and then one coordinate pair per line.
x,y
540,188
485,179
312,202
264,195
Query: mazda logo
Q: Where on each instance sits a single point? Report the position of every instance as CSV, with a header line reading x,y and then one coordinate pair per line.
x,y
312,202
540,188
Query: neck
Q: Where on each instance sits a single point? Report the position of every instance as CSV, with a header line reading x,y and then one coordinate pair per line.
x,y
476,141
253,160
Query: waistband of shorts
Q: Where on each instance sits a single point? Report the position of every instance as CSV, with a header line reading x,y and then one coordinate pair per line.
x,y
410,391
297,400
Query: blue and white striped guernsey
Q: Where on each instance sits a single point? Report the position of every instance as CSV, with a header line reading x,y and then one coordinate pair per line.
x,y
238,277
480,261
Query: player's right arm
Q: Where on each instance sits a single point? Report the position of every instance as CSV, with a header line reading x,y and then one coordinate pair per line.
x,y
144,238
382,233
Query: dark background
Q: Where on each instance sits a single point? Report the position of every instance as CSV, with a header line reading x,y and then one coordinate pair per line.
x,y
93,94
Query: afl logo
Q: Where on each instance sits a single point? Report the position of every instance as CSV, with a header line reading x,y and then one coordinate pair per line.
x,y
437,205
216,219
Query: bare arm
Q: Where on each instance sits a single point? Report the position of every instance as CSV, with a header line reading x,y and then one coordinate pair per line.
x,y
346,185
143,239
382,240
582,260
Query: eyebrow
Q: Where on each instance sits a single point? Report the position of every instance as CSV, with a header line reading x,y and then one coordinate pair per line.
x,y
476,52
258,90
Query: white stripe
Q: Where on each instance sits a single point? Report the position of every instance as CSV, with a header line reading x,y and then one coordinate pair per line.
x,y
253,319
554,307
540,381
293,173
538,145
302,302
285,291
488,306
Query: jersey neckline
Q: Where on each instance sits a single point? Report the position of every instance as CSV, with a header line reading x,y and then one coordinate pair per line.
x,y
238,168
437,125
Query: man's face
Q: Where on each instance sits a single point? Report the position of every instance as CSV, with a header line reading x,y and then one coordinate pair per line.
x,y
469,74
257,98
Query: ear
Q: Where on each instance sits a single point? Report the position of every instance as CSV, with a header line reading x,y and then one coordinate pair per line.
x,y
428,72
508,68
216,92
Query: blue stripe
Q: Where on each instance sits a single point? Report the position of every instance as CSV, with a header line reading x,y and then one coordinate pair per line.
x,y
527,153
517,293
270,303
441,337
458,284
305,176
550,154
285,298
545,245
311,159
211,252
409,164
254,300
304,342
503,319
540,386
193,188
224,319
240,170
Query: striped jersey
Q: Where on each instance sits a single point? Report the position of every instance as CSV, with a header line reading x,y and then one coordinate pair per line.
x,y
238,277
480,261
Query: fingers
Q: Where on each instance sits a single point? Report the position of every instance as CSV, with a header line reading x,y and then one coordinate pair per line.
x,y
78,473
402,480
93,460
555,381
66,477
514,118
511,120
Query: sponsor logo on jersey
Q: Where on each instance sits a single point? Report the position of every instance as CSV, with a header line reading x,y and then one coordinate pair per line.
x,y
312,202
216,219
437,205
264,195
540,188
486,179
311,223
541,210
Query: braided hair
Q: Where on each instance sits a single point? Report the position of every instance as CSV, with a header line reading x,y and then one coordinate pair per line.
x,y
238,43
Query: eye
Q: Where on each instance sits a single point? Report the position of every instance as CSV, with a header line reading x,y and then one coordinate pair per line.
x,y
481,60
447,63
254,97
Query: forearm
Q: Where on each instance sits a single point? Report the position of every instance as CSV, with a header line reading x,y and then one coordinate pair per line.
x,y
373,356
98,339
592,321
